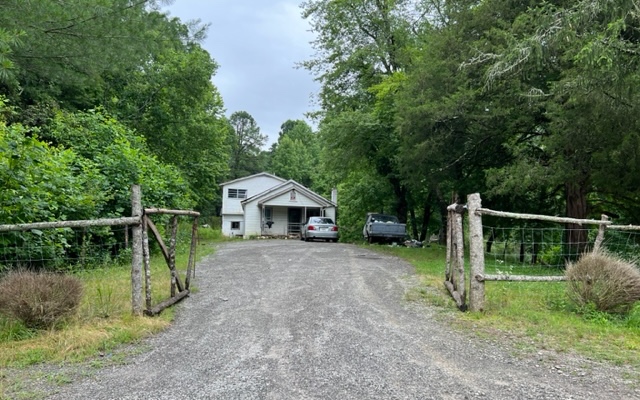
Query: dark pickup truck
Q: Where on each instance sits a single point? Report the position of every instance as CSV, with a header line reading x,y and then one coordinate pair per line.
x,y
383,228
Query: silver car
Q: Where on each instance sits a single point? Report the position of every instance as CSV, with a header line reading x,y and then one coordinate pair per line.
x,y
319,228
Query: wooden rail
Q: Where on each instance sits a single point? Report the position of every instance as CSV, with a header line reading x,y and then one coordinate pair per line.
x,y
135,220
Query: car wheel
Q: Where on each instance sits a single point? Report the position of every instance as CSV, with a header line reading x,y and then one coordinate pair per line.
x,y
370,239
306,238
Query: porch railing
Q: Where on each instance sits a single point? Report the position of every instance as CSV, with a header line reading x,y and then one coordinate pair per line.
x,y
294,229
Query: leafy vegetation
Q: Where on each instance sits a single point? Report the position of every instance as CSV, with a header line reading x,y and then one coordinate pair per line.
x,y
108,82
532,104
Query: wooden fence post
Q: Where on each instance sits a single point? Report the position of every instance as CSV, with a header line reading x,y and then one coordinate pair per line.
x,y
172,254
455,256
600,236
448,261
136,249
191,267
458,271
147,263
476,252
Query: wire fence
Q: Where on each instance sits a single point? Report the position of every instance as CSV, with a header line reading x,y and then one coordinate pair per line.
x,y
525,250
64,248
543,250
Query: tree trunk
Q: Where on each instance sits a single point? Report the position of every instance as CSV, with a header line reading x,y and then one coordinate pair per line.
x,y
575,235
402,205
443,204
535,251
426,217
414,223
492,238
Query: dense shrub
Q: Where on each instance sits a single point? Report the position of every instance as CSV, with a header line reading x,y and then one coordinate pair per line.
x,y
608,283
39,300
76,166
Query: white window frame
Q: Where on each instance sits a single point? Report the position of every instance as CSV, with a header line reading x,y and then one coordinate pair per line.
x,y
235,223
237,193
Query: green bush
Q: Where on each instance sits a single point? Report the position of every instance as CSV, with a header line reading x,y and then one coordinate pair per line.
x,y
39,300
604,282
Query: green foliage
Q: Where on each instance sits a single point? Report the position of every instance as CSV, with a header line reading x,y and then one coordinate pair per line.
x,y
533,104
39,300
145,68
173,104
362,192
64,48
296,155
8,41
14,330
43,183
84,170
122,158
245,143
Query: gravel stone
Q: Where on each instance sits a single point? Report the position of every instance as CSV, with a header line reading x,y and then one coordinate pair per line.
x,y
276,319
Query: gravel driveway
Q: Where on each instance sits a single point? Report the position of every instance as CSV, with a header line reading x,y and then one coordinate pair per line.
x,y
285,319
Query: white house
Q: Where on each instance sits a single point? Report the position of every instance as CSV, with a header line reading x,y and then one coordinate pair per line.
x,y
266,205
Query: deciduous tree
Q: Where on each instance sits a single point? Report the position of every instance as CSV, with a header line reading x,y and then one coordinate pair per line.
x,y
245,142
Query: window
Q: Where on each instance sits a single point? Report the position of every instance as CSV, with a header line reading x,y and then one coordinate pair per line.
x,y
235,225
292,195
322,220
268,214
237,193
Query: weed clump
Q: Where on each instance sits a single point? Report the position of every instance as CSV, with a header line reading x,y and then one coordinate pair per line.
x,y
603,281
39,300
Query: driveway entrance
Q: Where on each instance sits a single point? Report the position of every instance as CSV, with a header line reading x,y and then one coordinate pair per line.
x,y
285,319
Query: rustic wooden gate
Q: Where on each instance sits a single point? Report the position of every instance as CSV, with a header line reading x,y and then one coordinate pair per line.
x,y
169,256
141,255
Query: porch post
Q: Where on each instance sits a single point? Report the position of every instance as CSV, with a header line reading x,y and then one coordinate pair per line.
x,y
262,232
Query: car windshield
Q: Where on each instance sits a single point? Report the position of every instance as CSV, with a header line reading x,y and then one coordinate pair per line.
x,y
327,221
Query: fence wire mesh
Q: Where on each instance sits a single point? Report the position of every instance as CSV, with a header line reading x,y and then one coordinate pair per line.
x,y
526,250
64,248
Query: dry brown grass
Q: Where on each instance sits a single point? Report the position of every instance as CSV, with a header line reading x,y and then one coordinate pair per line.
x,y
39,300
607,282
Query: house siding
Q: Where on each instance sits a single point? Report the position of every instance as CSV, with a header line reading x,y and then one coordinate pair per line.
x,y
254,185
272,192
331,213
226,225
252,216
285,200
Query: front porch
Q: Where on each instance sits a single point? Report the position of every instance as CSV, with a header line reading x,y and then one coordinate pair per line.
x,y
286,221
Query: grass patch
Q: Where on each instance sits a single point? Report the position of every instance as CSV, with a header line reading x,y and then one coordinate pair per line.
x,y
103,321
533,316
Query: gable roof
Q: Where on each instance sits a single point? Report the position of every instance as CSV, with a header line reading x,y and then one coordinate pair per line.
x,y
254,176
284,188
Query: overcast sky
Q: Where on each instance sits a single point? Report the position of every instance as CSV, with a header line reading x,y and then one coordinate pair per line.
x,y
257,44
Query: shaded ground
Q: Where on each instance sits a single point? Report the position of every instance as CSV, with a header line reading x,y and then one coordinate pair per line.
x,y
284,319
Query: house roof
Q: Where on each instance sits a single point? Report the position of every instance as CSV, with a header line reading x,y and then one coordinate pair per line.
x,y
254,176
284,188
